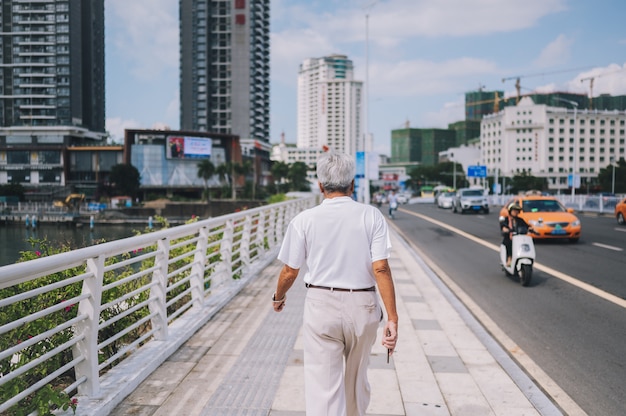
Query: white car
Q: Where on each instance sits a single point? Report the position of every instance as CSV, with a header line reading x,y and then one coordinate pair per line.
x,y
445,200
403,198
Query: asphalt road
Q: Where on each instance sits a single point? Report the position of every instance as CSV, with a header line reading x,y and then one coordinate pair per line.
x,y
570,321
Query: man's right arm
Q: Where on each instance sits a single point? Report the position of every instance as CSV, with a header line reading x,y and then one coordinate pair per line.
x,y
286,278
384,281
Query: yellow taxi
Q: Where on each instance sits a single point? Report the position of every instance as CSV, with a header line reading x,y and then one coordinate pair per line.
x,y
620,212
547,216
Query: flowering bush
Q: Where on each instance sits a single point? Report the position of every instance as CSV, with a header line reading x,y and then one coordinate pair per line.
x,y
118,315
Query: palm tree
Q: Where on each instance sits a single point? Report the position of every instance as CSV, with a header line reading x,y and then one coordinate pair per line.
x,y
206,170
240,169
280,171
223,171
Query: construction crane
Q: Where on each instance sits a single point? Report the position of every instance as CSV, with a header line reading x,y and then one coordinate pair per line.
x,y
517,78
496,102
591,78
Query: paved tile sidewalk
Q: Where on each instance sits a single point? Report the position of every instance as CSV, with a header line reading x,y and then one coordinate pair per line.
x,y
248,360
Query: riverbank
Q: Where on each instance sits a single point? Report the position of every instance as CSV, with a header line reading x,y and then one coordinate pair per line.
x,y
174,212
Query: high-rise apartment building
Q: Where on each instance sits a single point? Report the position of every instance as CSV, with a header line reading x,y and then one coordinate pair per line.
x,y
224,81
52,63
330,105
52,97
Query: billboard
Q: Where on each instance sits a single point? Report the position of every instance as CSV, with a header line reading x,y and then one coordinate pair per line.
x,y
187,147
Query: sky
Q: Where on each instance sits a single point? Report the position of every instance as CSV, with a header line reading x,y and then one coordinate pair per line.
x,y
420,56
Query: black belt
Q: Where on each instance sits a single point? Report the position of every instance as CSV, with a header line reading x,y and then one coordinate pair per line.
x,y
339,289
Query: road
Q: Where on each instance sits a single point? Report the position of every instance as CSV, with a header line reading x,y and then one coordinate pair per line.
x,y
570,321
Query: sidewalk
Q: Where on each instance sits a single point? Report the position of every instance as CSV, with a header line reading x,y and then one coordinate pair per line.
x,y
248,359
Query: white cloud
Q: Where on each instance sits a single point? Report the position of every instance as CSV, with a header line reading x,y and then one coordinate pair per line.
x,y
394,21
146,33
291,47
606,80
172,111
449,113
116,125
556,53
420,78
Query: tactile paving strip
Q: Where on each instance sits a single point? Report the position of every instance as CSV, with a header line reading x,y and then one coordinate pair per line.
x,y
250,386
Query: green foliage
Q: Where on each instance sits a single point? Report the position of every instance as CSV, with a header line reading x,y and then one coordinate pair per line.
x,y
52,396
297,177
280,171
442,173
125,180
527,182
206,170
605,177
276,198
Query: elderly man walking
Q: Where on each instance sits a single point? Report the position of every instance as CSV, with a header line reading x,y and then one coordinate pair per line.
x,y
345,247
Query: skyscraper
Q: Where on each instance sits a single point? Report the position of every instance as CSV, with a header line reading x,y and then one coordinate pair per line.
x,y
224,84
52,64
330,105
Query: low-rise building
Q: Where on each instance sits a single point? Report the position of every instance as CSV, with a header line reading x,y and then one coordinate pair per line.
x,y
556,143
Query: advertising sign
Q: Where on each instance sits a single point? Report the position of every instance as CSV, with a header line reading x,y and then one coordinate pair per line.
x,y
184,147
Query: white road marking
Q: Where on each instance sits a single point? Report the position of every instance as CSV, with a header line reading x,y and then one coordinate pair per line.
x,y
541,377
607,246
566,278
623,230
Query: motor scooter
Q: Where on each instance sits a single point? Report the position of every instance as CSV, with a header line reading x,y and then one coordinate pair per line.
x,y
522,255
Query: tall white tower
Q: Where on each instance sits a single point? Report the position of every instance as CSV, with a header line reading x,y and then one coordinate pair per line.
x,y
330,105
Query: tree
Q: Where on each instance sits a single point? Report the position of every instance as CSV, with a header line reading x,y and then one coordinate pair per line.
x,y
206,170
605,177
239,170
297,176
442,173
125,180
280,172
527,182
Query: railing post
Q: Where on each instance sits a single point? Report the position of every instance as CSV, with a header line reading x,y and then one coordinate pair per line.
x,y
88,328
158,292
273,237
226,254
260,232
244,248
196,281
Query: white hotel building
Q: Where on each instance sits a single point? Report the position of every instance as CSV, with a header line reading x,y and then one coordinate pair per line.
x,y
552,142
330,105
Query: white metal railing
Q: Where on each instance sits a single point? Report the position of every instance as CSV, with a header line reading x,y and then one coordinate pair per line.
x,y
73,319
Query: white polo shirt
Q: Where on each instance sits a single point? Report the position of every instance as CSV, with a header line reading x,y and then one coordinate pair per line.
x,y
338,241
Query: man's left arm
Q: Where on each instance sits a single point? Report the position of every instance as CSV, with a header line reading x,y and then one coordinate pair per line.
x,y
286,278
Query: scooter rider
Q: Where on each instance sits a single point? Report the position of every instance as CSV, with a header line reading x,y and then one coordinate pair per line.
x,y
510,224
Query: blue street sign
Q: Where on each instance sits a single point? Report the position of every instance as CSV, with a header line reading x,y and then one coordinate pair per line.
x,y
477,171
360,164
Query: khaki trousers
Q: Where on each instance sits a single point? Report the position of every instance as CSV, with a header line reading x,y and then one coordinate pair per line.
x,y
339,330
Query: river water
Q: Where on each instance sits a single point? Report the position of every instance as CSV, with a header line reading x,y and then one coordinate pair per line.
x,y
14,237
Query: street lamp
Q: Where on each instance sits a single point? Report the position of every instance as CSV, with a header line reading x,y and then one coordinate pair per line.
x,y
613,180
575,105
365,145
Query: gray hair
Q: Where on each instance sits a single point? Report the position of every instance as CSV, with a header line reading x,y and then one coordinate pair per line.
x,y
335,171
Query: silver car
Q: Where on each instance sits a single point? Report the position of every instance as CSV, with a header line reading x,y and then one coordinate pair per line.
x,y
470,199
